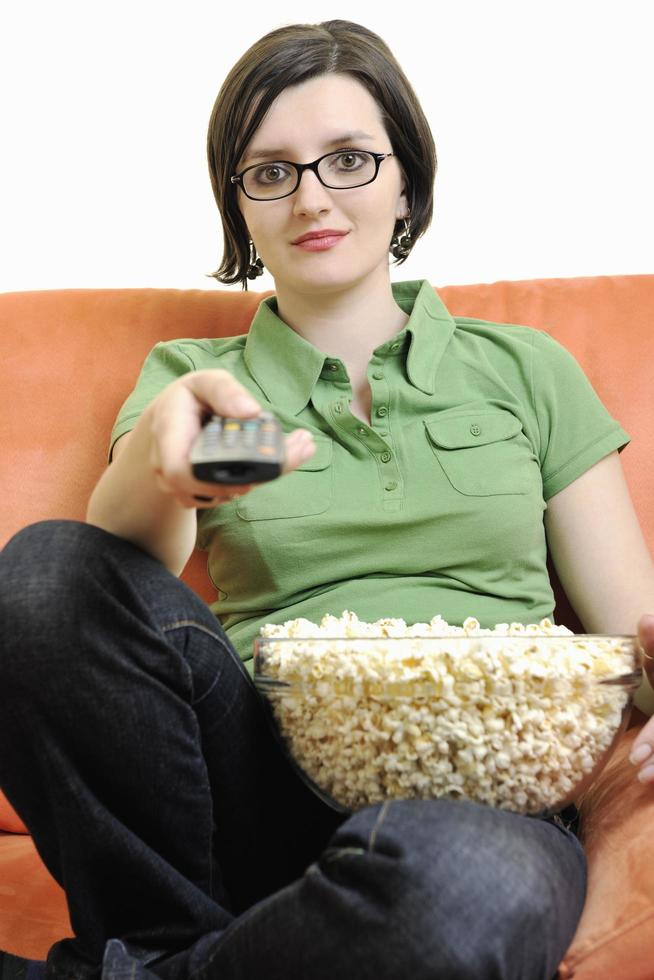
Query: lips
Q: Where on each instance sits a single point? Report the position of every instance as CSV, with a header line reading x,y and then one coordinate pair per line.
x,y
323,233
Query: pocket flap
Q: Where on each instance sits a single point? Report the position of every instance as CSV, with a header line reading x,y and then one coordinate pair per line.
x,y
322,456
469,430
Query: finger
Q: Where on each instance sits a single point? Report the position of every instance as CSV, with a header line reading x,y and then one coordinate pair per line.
x,y
642,752
646,774
222,393
646,633
298,447
646,641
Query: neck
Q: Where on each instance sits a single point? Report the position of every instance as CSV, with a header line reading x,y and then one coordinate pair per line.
x,y
347,323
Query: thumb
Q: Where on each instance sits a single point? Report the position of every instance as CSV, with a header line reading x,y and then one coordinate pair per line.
x,y
298,447
646,628
646,639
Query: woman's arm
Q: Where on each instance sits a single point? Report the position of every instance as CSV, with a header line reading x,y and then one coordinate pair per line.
x,y
147,495
128,501
603,563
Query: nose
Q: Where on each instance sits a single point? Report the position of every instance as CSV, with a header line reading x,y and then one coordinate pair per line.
x,y
311,196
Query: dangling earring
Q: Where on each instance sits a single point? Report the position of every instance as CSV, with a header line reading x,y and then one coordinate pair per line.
x,y
255,268
400,247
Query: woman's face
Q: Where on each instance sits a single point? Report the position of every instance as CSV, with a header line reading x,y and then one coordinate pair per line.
x,y
302,122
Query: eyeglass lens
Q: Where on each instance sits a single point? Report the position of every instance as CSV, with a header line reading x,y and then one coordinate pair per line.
x,y
344,169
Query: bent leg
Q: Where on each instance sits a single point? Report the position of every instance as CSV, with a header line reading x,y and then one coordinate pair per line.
x,y
426,889
136,749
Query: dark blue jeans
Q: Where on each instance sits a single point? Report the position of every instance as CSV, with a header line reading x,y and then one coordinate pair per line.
x,y
144,763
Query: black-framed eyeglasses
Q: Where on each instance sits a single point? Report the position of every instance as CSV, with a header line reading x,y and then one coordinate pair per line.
x,y
279,178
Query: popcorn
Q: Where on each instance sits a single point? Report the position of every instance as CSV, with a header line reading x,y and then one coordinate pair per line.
x,y
516,725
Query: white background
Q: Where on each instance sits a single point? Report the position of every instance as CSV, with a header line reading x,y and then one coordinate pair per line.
x,y
541,115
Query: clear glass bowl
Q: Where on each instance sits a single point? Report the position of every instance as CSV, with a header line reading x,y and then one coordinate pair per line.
x,y
521,722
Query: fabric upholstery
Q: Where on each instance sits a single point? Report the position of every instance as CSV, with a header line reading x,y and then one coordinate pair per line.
x,y
71,357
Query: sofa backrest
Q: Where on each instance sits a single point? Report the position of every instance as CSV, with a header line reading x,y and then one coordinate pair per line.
x,y
70,357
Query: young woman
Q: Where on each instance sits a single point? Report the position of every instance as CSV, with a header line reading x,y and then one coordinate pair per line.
x,y
135,747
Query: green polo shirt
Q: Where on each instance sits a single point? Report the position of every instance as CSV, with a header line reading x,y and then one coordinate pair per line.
x,y
435,508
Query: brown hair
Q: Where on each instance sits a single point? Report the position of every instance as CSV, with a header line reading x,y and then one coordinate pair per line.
x,y
288,56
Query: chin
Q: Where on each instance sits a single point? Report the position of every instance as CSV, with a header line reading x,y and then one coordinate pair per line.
x,y
324,280
299,273
330,273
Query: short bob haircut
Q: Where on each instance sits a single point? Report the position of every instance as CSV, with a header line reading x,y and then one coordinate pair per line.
x,y
288,56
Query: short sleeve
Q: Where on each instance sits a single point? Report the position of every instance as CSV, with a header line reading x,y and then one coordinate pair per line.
x,y
576,429
165,362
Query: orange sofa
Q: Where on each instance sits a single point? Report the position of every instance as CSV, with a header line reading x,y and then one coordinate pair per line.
x,y
69,359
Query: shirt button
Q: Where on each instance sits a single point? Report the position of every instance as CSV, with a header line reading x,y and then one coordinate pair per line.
x,y
385,457
475,429
361,431
382,411
383,432
390,486
338,407
395,346
378,376
333,367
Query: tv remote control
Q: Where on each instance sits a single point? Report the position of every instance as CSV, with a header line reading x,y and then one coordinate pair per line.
x,y
230,450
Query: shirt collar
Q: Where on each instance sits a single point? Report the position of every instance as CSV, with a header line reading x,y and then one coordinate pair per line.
x,y
286,366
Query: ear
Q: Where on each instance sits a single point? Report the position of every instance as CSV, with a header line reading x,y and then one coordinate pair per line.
x,y
403,209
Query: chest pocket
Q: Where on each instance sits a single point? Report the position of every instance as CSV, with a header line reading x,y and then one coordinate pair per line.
x,y
481,453
308,490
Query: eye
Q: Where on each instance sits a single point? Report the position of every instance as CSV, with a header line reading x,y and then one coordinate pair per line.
x,y
348,159
262,174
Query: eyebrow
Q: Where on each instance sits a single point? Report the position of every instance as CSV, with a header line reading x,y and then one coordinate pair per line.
x,y
355,134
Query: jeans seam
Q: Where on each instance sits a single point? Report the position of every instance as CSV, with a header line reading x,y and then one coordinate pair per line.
x,y
181,623
232,929
378,823
185,624
333,854
227,647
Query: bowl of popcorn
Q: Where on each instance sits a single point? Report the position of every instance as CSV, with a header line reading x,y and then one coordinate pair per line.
x,y
520,717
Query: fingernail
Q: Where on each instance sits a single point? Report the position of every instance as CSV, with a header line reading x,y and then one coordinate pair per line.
x,y
245,404
640,753
646,775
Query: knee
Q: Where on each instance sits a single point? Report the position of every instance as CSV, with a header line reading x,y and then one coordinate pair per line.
x,y
40,561
44,577
472,891
42,538
496,893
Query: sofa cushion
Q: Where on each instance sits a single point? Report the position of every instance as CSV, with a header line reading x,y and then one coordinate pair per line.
x,y
9,819
33,910
615,935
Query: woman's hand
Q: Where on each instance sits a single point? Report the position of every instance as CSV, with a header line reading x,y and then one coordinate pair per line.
x,y
174,420
642,751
